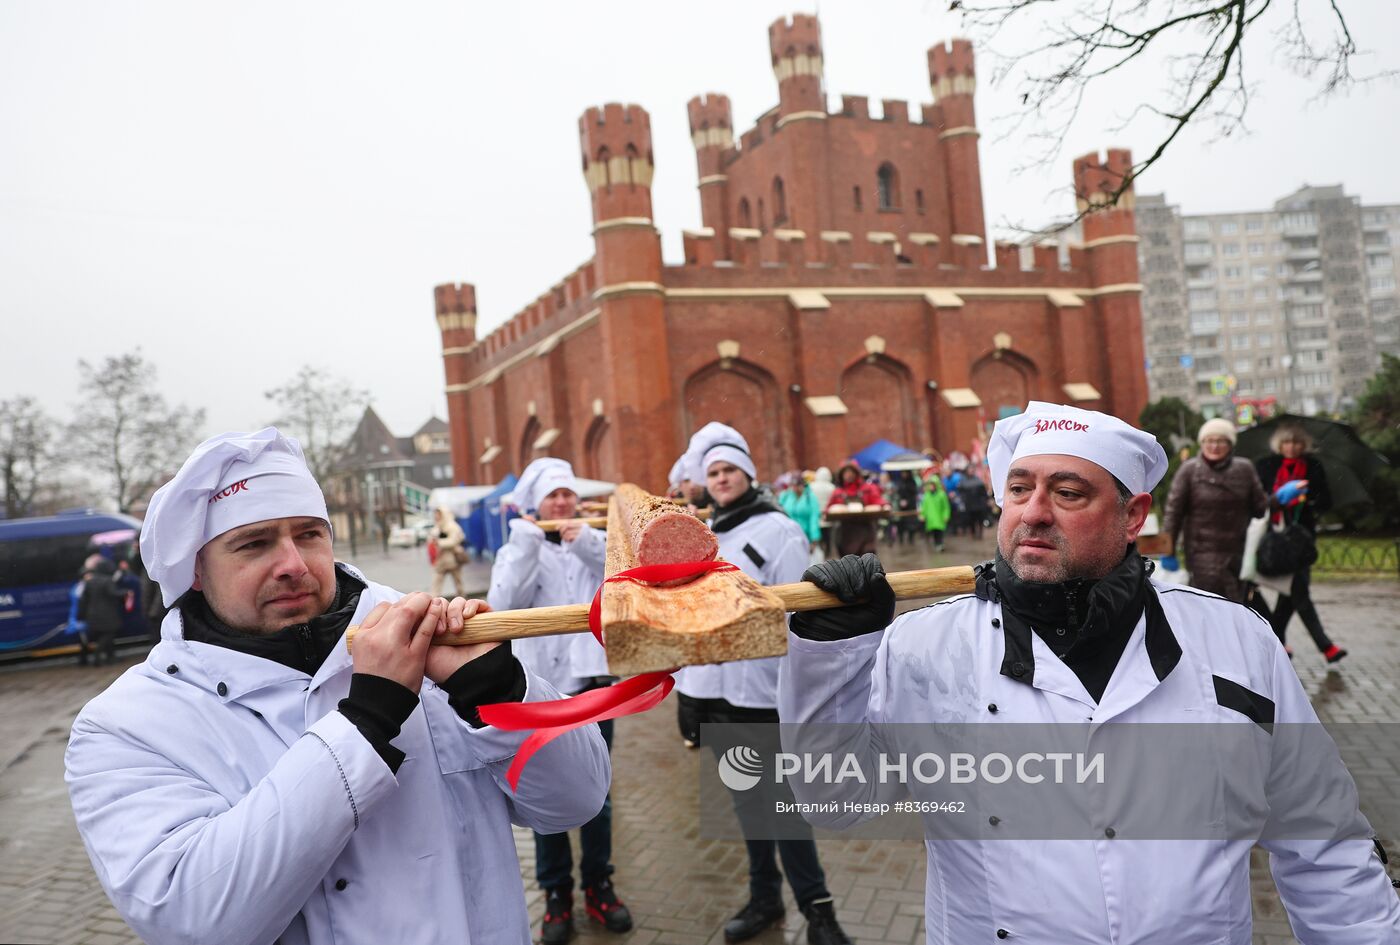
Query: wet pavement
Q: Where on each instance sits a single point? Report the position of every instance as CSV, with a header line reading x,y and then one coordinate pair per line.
x,y
680,887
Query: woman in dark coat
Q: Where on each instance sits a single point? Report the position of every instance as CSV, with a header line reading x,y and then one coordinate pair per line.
x,y
1212,500
1291,460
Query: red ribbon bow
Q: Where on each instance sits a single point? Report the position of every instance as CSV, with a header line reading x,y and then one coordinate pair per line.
x,y
554,717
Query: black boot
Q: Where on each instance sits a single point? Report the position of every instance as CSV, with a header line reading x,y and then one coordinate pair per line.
x,y
822,927
558,926
603,906
758,916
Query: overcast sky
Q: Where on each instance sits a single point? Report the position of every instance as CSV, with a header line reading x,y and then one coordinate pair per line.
x,y
242,189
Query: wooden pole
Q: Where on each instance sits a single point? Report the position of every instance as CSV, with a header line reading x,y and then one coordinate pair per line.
x,y
554,524
573,618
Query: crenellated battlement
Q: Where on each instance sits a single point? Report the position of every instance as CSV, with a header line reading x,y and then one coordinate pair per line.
x,y
798,39
895,110
951,69
804,255
711,121
455,298
1097,178
567,300
616,145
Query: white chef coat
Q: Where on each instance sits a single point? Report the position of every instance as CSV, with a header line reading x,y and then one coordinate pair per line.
x,y
772,549
952,662
531,571
223,799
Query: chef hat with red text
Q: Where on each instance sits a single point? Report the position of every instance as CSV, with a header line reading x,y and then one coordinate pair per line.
x,y
1131,456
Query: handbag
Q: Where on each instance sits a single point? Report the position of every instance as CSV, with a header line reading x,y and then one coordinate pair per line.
x,y
1285,550
1254,534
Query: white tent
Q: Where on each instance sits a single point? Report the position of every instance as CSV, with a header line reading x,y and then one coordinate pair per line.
x,y
459,500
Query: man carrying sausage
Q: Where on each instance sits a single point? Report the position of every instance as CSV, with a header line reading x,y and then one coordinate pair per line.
x,y
253,781
1067,630
758,538
536,568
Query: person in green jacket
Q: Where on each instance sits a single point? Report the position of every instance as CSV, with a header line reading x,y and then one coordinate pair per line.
x,y
935,510
801,506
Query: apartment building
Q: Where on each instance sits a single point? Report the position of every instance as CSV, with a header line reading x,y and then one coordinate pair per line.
x,y
1288,308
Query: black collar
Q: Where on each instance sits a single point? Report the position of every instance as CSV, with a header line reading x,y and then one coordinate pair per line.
x,y
755,501
1108,605
302,647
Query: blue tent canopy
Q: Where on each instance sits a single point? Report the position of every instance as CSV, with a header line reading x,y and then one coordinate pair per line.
x,y
484,528
876,453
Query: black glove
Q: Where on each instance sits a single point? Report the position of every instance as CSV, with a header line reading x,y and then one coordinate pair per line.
x,y
860,583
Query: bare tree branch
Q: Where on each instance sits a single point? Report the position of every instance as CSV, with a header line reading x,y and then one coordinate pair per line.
x,y
1084,42
27,460
125,431
321,410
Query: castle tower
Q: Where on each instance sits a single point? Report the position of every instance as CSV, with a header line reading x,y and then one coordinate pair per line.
x,y
1110,242
801,148
712,131
456,318
617,166
953,80
796,46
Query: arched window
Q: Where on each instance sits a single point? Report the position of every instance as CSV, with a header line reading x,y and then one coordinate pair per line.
x,y
779,202
745,217
919,200
855,195
762,217
602,161
625,177
888,179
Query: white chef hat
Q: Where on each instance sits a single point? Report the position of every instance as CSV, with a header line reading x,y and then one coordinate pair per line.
x,y
230,480
539,479
678,474
716,442
1131,456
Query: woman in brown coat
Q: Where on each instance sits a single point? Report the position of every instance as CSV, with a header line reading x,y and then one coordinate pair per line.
x,y
1212,500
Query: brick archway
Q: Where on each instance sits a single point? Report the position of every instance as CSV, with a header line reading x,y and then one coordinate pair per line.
x,y
744,396
879,403
527,442
1004,382
597,451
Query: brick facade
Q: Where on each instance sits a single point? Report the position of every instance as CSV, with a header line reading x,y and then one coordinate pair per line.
x,y
838,291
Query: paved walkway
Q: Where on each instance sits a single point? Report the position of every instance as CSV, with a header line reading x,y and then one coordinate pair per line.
x,y
680,887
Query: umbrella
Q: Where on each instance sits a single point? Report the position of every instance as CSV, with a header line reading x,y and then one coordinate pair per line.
x,y
876,453
906,461
1350,463
115,537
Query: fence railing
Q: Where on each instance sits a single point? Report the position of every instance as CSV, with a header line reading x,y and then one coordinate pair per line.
x,y
1340,556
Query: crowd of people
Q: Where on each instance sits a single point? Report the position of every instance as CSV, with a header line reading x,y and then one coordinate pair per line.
x,y
851,512
257,778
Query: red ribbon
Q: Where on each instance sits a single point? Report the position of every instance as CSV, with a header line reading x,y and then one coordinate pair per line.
x,y
554,717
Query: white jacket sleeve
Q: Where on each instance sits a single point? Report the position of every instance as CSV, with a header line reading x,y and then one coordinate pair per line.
x,y
1324,862
183,863
792,557
564,783
516,573
590,548
830,700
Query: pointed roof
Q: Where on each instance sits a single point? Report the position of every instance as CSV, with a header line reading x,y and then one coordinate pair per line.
x,y
434,425
372,443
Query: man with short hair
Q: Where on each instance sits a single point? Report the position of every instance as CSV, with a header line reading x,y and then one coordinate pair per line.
x,y
758,538
253,781
535,568
1067,630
